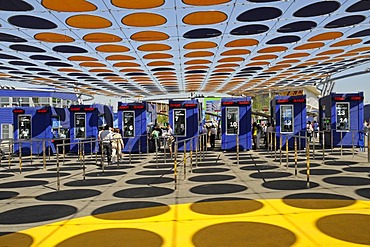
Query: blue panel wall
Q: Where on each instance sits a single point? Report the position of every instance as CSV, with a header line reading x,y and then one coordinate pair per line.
x,y
300,119
192,110
245,124
138,143
38,93
356,118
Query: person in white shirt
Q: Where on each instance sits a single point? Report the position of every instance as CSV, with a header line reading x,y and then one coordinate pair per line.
x,y
169,138
106,137
213,136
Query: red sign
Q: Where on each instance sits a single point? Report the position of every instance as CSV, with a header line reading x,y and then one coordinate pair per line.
x,y
282,101
123,107
294,100
356,98
190,105
89,109
228,103
173,105
339,98
42,111
128,107
82,109
301,100
245,102
18,111
139,106
75,109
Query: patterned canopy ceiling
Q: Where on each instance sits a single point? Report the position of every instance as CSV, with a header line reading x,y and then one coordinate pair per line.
x,y
133,48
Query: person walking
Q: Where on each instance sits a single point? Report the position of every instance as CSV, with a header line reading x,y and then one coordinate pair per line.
x,y
106,137
213,136
169,138
117,146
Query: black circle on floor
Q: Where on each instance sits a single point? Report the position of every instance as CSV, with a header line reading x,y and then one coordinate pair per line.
x,y
318,200
90,182
150,180
66,168
210,170
263,175
250,162
130,210
160,166
105,174
154,172
15,239
2,175
365,192
211,178
33,214
206,164
217,189
112,168
225,206
357,169
24,169
23,184
318,172
288,185
48,175
340,163
353,228
347,181
143,192
63,195
7,194
113,237
240,234
258,167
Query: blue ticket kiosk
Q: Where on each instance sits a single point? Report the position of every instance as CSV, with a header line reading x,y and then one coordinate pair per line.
x,y
184,117
86,120
132,120
236,115
290,116
342,117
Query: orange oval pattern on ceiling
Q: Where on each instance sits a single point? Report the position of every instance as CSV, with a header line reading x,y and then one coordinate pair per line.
x,y
295,55
120,57
53,38
199,54
235,52
126,64
135,4
204,2
231,59
330,52
326,36
154,47
81,58
242,43
160,63
273,49
101,38
92,64
100,70
196,67
200,45
204,18
157,56
309,46
346,42
143,20
69,5
198,61
149,36
88,22
112,48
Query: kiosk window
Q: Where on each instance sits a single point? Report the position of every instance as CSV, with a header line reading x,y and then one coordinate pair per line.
x,y
179,122
101,120
342,116
286,119
80,125
24,126
128,124
6,131
232,120
55,125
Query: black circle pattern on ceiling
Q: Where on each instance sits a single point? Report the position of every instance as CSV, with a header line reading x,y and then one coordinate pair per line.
x,y
361,5
260,14
44,57
346,21
5,37
26,48
15,5
21,63
362,33
284,40
297,26
31,22
317,9
250,29
202,33
10,57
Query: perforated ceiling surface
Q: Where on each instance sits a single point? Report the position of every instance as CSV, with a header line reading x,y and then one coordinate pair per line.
x,y
131,48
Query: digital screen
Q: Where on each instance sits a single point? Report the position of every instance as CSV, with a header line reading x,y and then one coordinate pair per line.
x,y
286,120
128,124
232,120
80,125
55,122
342,116
24,127
101,120
179,122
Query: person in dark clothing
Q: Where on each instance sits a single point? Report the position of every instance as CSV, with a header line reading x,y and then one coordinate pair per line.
x,y
106,137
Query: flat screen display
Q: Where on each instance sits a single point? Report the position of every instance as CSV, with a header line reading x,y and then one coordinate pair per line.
x,y
342,110
24,126
80,125
128,124
232,120
286,120
179,122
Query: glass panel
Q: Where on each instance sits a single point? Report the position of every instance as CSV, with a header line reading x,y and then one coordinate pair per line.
x,y
232,120
128,124
80,125
179,122
286,120
342,116
4,102
24,127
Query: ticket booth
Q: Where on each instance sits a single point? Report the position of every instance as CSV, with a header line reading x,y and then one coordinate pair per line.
x,y
290,116
86,120
38,124
184,120
341,116
236,115
132,120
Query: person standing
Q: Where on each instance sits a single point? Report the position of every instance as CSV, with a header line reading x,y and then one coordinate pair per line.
x,y
254,135
213,136
169,138
106,137
118,145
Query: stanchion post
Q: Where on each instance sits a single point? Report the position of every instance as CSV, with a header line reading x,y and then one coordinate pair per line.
x,y
91,148
299,142
196,151
129,146
184,158
295,157
191,154
64,150
308,163
49,149
237,150
341,143
332,140
31,151
175,166
10,152
323,147
83,160
20,157
147,144
156,152
353,145
44,153
58,173
281,147
275,146
368,147
313,147
287,151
